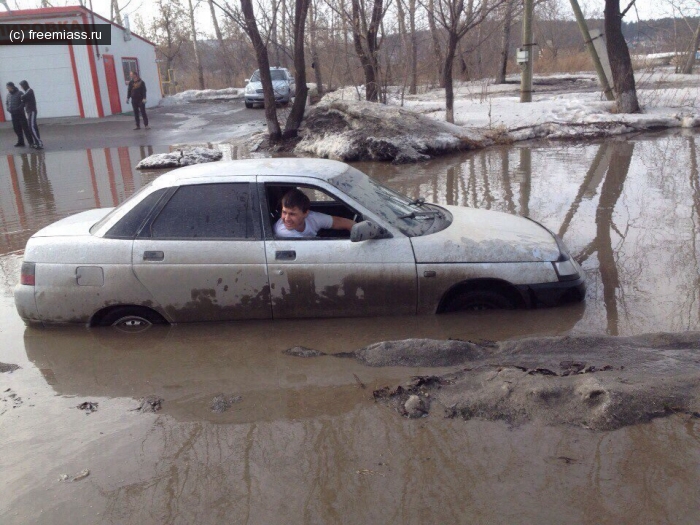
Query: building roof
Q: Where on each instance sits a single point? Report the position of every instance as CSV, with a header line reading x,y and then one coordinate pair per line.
x,y
57,12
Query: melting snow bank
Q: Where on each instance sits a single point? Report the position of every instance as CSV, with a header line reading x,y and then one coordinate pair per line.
x,y
596,382
203,95
178,158
352,131
356,130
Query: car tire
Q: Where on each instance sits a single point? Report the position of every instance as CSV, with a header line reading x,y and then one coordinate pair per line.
x,y
131,319
249,105
479,300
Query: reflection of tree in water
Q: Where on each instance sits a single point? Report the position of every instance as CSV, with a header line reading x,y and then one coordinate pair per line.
x,y
610,192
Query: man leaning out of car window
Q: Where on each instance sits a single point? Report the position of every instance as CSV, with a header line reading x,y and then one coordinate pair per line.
x,y
298,221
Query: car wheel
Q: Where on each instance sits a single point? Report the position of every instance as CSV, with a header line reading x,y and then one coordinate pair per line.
x,y
249,105
131,319
479,300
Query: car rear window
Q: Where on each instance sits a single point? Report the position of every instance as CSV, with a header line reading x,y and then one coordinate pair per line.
x,y
208,211
129,225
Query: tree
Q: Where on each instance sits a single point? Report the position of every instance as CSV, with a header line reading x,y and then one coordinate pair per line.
x,y
168,32
619,56
246,18
457,19
365,21
195,44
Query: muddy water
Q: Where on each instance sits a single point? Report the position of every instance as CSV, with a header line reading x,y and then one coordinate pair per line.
x,y
305,443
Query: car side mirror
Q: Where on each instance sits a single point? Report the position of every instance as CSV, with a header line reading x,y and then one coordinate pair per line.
x,y
366,230
247,81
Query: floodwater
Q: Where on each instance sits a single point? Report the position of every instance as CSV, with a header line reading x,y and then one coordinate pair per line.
x,y
305,443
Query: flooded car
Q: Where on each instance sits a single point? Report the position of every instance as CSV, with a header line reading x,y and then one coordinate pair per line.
x,y
198,244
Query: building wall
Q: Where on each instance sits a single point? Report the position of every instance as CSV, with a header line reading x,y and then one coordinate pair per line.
x,y
71,80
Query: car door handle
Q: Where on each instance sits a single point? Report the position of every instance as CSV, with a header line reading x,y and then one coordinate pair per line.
x,y
153,256
287,255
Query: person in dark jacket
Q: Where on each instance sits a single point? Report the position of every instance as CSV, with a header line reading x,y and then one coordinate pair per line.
x,y
137,93
14,105
29,101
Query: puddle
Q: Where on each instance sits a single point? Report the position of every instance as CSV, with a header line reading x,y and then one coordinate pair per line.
x,y
301,440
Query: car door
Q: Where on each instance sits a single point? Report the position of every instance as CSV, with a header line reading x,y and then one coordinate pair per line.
x,y
202,255
334,277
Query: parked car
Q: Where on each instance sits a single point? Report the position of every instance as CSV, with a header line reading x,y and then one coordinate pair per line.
x,y
197,244
282,84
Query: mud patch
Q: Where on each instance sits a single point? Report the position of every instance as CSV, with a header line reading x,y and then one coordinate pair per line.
x,y
302,351
222,403
88,406
421,352
8,367
601,383
150,404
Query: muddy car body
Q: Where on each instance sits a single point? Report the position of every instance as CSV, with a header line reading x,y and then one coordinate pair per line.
x,y
197,244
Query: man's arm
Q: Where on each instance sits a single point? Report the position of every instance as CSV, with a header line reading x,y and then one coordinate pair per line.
x,y
341,223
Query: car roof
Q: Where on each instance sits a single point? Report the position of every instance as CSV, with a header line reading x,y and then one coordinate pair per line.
x,y
323,169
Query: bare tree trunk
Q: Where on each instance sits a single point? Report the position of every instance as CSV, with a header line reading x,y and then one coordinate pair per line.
x,y
251,28
295,117
505,43
314,50
690,62
368,56
413,88
195,45
447,78
620,61
437,49
114,12
228,70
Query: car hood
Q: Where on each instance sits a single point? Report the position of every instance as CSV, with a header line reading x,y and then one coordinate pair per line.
x,y
486,236
75,225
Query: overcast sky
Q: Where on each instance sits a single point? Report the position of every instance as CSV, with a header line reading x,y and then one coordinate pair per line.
x,y
646,9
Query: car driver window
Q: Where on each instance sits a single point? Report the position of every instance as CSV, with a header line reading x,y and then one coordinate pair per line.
x,y
207,211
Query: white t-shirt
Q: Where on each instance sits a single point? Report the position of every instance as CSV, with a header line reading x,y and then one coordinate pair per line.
x,y
314,221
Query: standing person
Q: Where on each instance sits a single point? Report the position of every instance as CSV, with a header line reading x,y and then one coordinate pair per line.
x,y
137,94
29,101
14,105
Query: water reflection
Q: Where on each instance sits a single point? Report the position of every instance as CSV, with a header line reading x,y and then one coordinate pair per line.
x,y
627,209
41,187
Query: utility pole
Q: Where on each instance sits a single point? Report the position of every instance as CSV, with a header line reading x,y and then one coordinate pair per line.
x,y
527,53
602,78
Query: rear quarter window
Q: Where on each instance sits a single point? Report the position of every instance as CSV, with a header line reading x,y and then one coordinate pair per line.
x,y
131,223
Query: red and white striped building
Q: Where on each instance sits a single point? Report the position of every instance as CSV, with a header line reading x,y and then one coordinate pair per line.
x,y
88,81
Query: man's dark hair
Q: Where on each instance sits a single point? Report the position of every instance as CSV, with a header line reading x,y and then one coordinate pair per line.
x,y
24,84
10,85
296,199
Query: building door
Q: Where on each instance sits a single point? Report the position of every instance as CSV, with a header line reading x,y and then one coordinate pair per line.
x,y
112,86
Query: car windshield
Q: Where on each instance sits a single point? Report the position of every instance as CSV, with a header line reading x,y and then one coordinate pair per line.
x,y
277,74
412,217
127,203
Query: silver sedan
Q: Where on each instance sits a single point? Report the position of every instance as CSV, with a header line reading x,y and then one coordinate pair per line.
x,y
197,244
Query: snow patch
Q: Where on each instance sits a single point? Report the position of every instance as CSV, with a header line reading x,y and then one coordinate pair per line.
x,y
178,158
203,95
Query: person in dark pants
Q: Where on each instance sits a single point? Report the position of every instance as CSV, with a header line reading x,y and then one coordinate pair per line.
x,y
137,94
14,105
29,101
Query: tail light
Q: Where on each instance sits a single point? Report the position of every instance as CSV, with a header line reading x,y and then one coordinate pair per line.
x,y
27,276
